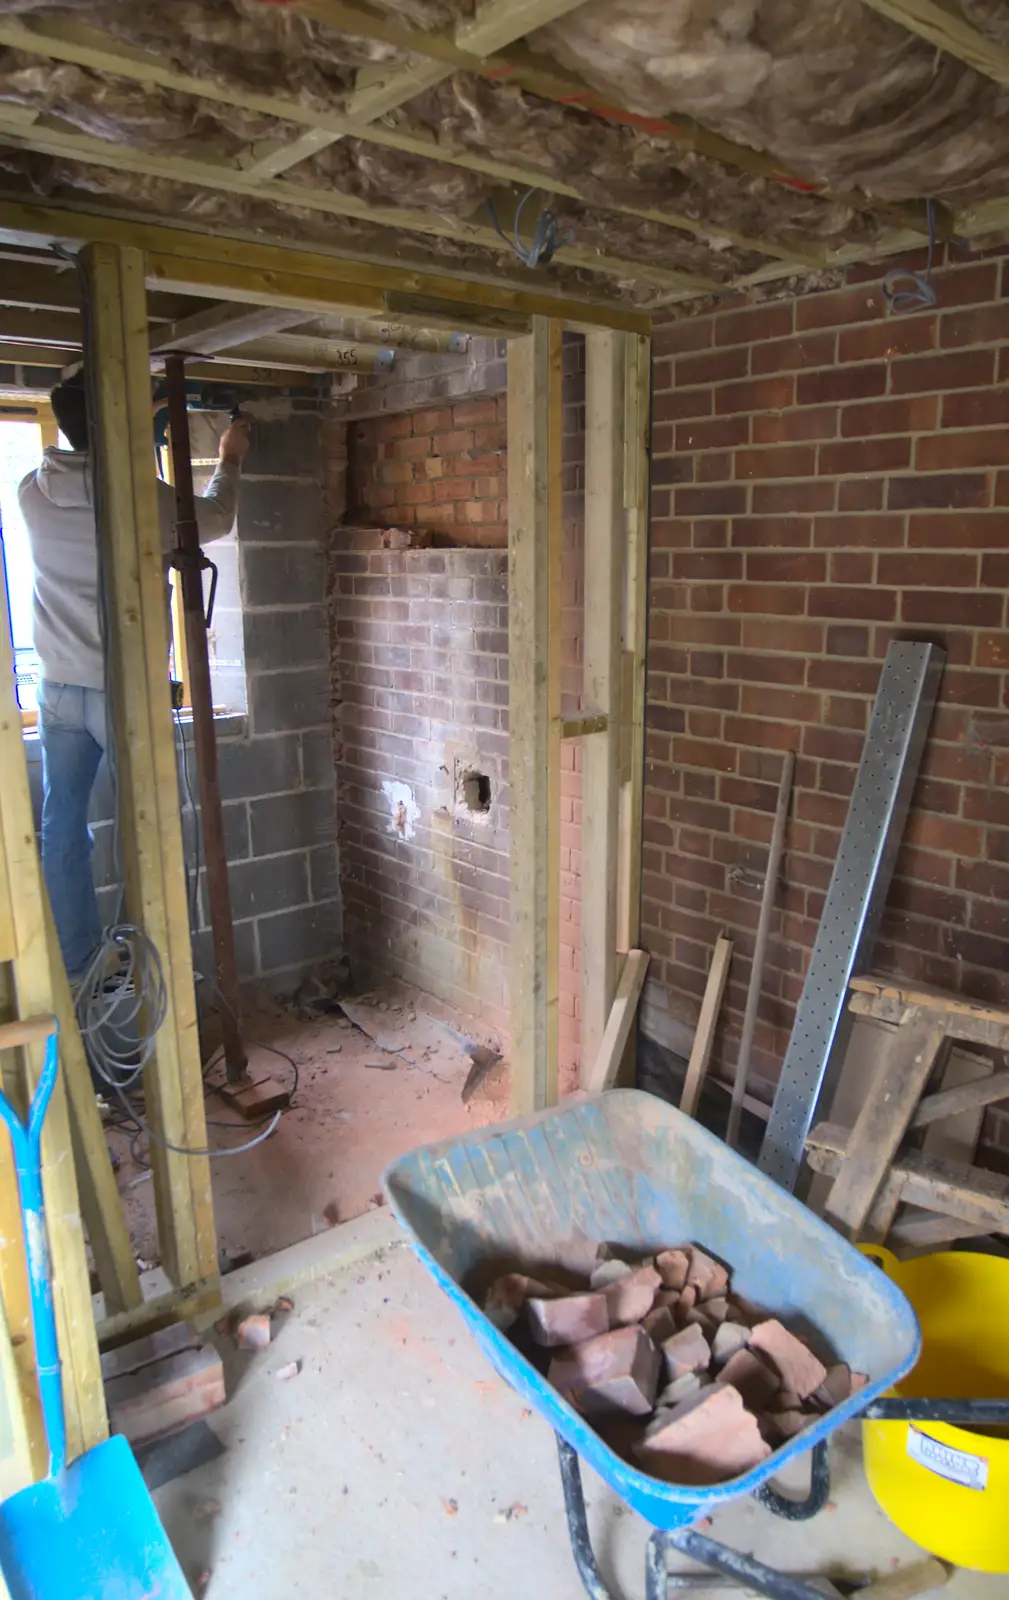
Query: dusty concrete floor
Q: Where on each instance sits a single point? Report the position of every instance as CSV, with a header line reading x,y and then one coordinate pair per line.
x,y
348,1121
398,1464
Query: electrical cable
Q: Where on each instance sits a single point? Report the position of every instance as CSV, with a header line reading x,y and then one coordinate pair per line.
x,y
140,1127
904,290
546,239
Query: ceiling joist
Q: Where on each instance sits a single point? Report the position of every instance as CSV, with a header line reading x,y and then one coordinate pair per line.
x,y
322,282
66,143
944,25
70,41
223,327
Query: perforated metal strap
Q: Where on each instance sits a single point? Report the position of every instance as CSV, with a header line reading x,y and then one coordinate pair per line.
x,y
858,888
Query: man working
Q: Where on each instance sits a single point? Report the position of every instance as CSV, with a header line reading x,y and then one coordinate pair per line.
x,y
57,504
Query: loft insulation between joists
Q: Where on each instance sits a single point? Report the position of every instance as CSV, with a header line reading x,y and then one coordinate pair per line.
x,y
834,90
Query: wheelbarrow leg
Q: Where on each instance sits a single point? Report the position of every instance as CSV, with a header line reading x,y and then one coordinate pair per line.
x,y
814,1502
755,1575
578,1525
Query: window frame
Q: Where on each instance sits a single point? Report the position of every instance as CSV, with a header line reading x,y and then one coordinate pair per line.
x,y
16,407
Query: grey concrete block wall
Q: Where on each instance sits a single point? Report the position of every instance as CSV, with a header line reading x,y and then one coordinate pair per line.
x,y
276,766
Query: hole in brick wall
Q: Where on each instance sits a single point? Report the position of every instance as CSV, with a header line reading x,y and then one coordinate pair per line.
x,y
476,791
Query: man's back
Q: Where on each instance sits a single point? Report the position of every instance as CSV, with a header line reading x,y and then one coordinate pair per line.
x,y
57,503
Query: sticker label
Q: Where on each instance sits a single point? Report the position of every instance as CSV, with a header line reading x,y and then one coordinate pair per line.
x,y
956,1465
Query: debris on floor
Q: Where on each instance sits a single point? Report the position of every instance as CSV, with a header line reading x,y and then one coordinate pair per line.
x,y
253,1332
737,1383
346,1123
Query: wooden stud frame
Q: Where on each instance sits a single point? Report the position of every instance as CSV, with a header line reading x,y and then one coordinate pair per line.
x,y
612,725
534,643
320,282
150,829
27,990
605,374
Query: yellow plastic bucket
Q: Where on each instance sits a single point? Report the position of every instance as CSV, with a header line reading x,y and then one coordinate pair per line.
x,y
948,1488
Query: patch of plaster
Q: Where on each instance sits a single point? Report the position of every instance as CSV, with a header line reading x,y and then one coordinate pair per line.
x,y
403,808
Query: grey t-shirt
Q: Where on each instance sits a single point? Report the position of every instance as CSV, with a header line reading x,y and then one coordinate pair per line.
x,y
57,504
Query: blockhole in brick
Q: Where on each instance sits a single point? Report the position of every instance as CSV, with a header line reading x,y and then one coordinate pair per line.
x,y
476,793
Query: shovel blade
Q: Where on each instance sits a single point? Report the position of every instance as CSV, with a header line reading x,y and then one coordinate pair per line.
x,y
91,1534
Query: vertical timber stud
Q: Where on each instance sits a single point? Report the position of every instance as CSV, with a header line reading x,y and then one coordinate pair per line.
x,y
150,829
534,611
637,432
601,754
26,990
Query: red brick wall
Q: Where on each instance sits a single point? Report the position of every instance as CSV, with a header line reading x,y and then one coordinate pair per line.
x,y
420,675
826,478
442,469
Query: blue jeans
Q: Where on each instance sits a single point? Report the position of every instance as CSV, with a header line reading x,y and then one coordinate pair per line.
x,y
72,736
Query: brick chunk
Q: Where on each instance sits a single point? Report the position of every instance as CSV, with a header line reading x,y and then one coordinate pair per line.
x,y
659,1324
777,1426
705,1439
567,1321
608,1272
631,1297
682,1388
686,1351
673,1266
797,1366
253,1332
508,1294
686,1302
839,1384
754,1379
729,1338
706,1275
615,1374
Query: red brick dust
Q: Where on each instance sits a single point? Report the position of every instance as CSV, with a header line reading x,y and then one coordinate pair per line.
x,y
347,1123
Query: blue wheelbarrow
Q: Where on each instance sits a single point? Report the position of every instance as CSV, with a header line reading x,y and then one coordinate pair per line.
x,y
88,1531
626,1169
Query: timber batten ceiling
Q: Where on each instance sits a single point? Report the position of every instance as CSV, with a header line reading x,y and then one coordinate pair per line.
x,y
682,145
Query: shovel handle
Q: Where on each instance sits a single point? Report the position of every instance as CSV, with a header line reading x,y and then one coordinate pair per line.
x,y
26,1142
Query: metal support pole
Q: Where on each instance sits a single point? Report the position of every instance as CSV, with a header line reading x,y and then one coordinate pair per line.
x,y
189,560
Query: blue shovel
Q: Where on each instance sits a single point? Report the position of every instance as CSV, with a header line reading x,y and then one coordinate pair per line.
x,y
89,1531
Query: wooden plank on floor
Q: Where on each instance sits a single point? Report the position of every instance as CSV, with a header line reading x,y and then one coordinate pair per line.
x,y
604,547
534,624
707,1021
150,826
606,1065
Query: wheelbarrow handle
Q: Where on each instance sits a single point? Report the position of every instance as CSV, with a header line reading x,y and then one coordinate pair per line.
x,y
961,1413
26,1142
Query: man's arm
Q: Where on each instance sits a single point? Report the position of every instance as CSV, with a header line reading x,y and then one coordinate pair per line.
x,y
215,507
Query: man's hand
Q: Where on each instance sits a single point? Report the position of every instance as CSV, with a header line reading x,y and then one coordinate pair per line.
x,y
234,446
